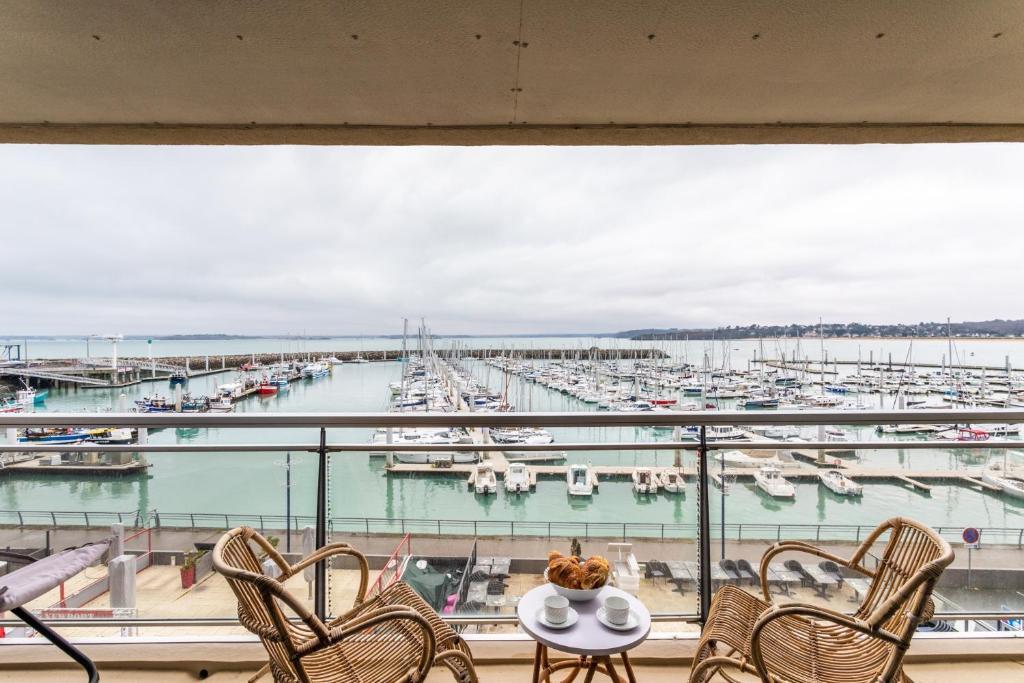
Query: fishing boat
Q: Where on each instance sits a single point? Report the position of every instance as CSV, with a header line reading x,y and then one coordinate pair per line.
x,y
839,483
769,479
267,389
315,370
580,480
644,480
221,404
177,378
231,390
279,380
673,482
29,396
7,406
154,404
517,478
484,481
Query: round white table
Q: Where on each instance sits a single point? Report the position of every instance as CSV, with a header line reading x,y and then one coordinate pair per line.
x,y
590,639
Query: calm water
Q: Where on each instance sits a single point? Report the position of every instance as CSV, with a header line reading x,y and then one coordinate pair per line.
x,y
253,483
733,353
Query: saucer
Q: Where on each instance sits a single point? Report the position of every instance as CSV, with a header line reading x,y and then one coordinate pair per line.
x,y
631,622
569,620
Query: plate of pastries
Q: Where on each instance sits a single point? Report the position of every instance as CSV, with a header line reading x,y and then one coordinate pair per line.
x,y
577,579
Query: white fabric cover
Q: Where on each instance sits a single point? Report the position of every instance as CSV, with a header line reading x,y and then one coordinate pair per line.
x,y
28,583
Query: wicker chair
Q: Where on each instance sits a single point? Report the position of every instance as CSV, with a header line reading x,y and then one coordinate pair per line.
x,y
800,643
393,636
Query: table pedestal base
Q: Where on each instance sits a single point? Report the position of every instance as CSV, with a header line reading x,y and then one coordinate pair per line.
x,y
543,668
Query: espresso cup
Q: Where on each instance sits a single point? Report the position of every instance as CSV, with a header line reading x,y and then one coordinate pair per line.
x,y
617,610
556,609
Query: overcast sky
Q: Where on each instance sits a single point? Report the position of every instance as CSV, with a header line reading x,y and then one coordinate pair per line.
x,y
151,240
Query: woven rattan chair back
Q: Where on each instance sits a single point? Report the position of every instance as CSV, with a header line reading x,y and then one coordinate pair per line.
x,y
258,608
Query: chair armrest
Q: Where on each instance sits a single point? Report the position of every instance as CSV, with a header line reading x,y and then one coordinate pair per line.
x,y
327,552
807,548
372,622
813,612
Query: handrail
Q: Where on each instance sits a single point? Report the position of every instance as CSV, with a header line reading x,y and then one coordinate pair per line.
x,y
740,531
668,419
881,445
518,419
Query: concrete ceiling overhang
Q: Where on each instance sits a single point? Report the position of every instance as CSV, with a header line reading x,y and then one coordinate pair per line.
x,y
510,72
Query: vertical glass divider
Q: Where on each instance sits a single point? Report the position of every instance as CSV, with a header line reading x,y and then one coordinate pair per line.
x,y
703,527
320,596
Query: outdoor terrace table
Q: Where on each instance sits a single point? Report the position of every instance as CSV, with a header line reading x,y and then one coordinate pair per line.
x,y
859,587
594,643
679,574
782,577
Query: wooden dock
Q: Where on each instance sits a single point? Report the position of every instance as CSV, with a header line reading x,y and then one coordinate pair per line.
x,y
39,466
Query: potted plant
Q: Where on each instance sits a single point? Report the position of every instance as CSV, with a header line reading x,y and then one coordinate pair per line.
x,y
268,566
188,568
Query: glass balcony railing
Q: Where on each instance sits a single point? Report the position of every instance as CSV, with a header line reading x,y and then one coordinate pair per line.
x,y
680,502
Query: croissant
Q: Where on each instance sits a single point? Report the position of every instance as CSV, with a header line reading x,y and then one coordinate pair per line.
x,y
595,573
564,572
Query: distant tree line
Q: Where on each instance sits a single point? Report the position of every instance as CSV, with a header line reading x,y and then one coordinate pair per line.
x,y
987,328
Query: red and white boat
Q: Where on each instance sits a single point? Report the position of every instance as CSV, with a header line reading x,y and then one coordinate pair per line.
x,y
266,388
662,401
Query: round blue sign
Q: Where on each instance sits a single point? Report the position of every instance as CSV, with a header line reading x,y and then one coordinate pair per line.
x,y
971,535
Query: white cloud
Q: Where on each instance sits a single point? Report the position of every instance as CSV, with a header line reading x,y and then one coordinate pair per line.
x,y
492,240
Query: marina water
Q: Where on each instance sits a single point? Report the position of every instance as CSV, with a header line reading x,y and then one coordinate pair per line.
x,y
254,483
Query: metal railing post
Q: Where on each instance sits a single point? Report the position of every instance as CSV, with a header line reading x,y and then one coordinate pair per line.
x,y
320,576
704,528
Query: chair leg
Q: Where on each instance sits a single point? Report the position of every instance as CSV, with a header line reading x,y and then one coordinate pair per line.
x,y
706,669
260,674
460,664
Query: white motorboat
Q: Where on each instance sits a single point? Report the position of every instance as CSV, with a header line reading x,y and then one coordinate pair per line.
x,y
839,483
673,482
644,480
580,479
725,433
755,459
769,479
484,480
517,478
419,436
526,435
424,458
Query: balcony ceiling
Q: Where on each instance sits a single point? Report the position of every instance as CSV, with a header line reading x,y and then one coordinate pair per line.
x,y
511,72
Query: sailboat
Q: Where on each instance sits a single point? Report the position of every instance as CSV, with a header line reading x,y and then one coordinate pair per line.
x,y
1005,477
